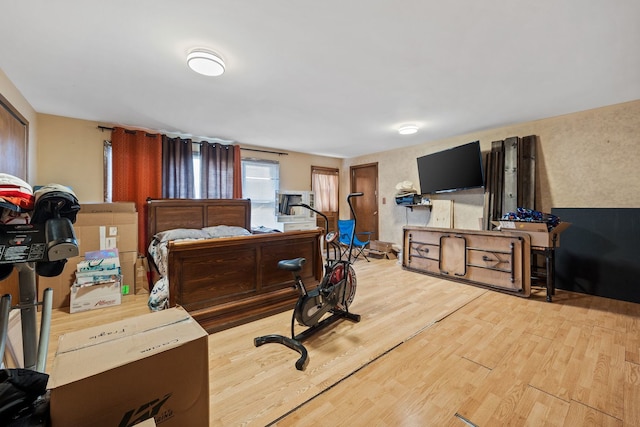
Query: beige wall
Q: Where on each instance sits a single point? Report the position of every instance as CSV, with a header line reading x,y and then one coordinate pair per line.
x,y
70,153
586,159
11,93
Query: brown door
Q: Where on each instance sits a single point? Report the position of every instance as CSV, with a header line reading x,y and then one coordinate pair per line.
x,y
13,140
364,179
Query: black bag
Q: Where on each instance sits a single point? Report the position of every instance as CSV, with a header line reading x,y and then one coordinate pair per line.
x,y
23,399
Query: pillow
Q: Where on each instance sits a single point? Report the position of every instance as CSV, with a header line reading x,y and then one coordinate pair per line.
x,y
181,233
226,231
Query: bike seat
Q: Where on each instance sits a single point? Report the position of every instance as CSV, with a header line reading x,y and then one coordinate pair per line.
x,y
292,264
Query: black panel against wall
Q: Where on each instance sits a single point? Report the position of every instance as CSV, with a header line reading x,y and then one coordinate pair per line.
x,y
527,171
600,253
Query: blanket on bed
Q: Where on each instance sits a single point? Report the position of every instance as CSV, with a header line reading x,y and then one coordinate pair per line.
x,y
158,250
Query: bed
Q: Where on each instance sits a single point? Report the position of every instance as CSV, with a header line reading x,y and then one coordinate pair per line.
x,y
227,281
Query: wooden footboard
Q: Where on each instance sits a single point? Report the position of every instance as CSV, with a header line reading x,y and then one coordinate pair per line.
x,y
229,281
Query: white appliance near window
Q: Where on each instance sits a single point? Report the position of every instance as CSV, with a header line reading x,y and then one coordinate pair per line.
x,y
290,215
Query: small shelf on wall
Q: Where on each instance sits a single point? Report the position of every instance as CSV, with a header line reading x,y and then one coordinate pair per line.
x,y
421,205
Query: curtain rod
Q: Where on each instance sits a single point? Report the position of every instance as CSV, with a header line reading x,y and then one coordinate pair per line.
x,y
103,128
279,153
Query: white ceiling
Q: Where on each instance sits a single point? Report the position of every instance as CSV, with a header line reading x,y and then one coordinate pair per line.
x,y
332,77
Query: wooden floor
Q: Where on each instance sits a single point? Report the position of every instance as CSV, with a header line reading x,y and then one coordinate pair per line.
x,y
427,352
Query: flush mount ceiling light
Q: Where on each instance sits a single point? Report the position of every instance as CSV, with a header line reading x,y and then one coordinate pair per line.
x,y
408,130
205,62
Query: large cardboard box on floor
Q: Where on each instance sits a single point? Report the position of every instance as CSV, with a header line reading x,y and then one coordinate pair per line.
x,y
119,374
540,235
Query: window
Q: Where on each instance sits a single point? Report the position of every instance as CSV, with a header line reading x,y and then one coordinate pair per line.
x,y
325,184
108,170
260,181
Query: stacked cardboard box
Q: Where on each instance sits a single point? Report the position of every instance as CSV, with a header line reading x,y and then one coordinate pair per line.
x,y
99,226
98,281
540,234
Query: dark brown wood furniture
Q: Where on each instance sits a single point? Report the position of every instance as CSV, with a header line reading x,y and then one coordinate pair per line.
x,y
491,259
14,135
228,281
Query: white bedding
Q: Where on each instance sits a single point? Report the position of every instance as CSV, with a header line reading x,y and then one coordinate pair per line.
x,y
158,249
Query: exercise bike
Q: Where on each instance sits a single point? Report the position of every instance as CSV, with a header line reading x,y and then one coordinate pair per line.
x,y
332,296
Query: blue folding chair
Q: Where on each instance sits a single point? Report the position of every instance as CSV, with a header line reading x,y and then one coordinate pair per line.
x,y
346,228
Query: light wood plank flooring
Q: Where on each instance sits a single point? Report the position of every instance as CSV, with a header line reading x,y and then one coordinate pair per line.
x,y
428,352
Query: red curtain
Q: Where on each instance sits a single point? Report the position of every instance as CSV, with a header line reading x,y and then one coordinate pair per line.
x,y
237,172
137,173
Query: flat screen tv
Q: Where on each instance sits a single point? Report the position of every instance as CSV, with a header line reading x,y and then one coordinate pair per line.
x,y
458,168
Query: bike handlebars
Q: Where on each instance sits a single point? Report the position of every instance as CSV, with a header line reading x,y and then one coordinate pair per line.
x,y
353,212
326,220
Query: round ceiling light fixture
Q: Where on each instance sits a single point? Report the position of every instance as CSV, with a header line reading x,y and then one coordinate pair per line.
x,y
408,129
205,62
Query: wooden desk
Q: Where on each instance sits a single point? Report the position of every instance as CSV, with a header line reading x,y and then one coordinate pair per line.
x,y
497,260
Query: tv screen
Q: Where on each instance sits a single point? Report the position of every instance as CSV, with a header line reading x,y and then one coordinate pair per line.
x,y
457,168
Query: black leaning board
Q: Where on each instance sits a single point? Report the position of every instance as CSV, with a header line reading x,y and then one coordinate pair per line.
x,y
599,253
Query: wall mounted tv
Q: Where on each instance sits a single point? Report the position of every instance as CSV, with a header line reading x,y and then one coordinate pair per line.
x,y
458,168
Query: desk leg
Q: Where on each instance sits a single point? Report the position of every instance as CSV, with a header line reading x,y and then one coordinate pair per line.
x,y
549,264
553,271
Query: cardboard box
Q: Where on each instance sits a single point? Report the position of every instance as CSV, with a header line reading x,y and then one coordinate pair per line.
x,y
540,236
142,276
381,246
85,298
107,231
108,207
379,249
128,269
101,226
61,284
119,374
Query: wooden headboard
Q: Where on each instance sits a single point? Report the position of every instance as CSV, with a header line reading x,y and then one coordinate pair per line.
x,y
167,214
